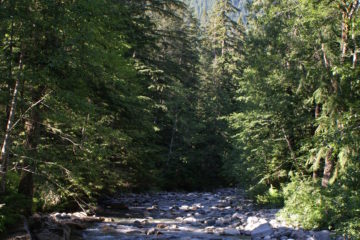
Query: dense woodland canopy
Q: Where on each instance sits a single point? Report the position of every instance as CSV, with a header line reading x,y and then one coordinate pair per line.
x,y
102,96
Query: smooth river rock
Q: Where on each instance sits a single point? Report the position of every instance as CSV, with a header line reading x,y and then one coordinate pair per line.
x,y
262,231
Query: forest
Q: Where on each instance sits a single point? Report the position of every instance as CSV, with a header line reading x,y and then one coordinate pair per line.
x,y
99,97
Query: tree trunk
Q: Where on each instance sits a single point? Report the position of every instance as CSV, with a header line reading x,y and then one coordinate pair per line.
x,y
348,11
83,131
353,36
326,61
344,35
327,169
317,111
172,139
222,48
7,139
314,176
32,130
316,116
290,142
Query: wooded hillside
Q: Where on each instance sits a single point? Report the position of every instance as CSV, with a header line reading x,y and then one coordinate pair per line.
x,y
103,96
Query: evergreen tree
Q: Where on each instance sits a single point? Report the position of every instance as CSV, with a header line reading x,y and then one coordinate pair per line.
x,y
222,55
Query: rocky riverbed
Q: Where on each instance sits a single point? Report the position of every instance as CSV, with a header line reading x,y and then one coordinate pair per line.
x,y
223,214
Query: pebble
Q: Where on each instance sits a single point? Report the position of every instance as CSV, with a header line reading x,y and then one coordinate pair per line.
x,y
184,208
151,231
189,220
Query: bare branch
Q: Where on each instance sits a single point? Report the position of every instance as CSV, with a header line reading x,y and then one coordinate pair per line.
x,y
27,110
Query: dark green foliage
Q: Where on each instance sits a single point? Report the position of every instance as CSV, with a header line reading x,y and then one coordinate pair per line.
x,y
109,99
296,97
12,204
138,95
312,207
266,197
306,204
95,129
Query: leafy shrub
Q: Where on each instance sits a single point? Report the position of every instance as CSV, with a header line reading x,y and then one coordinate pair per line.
x,y
12,204
304,204
273,198
350,227
11,209
257,190
266,196
309,205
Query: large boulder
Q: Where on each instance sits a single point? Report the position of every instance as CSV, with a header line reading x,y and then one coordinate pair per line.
x,y
323,235
231,232
254,222
52,230
262,231
54,233
49,228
